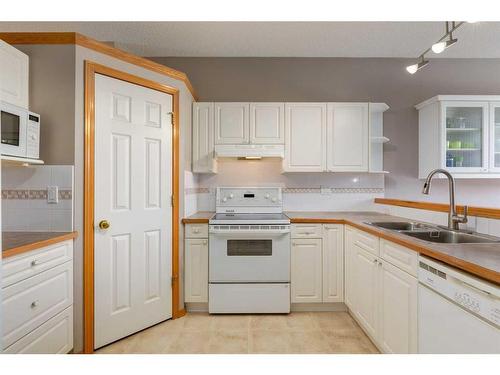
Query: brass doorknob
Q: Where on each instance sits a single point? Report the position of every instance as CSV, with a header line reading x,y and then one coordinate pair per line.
x,y
103,224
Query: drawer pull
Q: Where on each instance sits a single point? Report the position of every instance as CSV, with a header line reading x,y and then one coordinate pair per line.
x,y
196,230
34,263
34,304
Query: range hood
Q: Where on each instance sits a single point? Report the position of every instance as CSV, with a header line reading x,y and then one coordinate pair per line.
x,y
253,151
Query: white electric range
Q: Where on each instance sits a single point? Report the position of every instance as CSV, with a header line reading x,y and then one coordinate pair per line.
x,y
249,253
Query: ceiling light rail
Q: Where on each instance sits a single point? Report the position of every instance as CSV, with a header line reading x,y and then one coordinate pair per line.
x,y
443,43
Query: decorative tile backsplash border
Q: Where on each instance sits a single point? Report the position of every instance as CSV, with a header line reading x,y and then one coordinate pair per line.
x,y
202,190
34,194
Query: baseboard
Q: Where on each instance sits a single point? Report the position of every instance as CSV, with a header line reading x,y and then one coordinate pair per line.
x,y
196,306
298,307
338,306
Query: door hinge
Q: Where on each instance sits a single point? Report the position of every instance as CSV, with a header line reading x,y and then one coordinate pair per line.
x,y
172,117
173,280
172,200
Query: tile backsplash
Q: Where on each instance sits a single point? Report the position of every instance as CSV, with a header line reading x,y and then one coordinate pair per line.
x,y
25,205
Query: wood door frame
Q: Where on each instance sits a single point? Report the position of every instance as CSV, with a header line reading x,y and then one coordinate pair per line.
x,y
91,69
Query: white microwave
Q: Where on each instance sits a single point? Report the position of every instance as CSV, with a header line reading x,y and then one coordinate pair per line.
x,y
20,132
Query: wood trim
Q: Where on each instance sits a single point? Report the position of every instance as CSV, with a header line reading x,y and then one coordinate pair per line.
x,y
91,69
187,220
491,213
84,41
39,244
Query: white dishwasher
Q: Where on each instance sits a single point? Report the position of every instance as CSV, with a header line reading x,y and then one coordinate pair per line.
x,y
457,313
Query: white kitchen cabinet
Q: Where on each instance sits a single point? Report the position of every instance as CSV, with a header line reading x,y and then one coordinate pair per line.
x,y
349,278
37,299
203,138
333,263
14,76
267,123
459,133
382,296
365,288
196,270
305,137
231,123
348,137
397,310
306,271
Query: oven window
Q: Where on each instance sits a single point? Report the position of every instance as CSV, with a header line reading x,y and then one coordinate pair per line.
x,y
249,247
10,129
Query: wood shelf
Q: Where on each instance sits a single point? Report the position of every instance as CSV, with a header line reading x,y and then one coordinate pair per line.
x,y
14,160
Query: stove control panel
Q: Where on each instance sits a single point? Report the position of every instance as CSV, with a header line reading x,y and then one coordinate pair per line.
x,y
258,197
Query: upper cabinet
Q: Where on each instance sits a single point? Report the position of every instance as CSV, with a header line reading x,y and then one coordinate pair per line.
x,y
267,123
347,134
14,75
305,137
310,137
203,138
231,123
460,134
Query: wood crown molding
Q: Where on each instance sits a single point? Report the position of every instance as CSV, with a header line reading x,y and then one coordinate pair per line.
x,y
490,213
84,41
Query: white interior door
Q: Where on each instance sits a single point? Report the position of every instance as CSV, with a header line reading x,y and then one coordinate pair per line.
x,y
133,187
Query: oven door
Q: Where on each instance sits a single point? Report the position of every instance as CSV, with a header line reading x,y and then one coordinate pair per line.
x,y
13,122
249,256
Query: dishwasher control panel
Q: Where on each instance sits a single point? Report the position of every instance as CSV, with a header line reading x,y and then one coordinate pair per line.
x,y
470,297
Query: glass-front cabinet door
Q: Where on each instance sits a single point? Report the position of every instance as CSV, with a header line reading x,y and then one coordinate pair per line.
x,y
495,136
466,136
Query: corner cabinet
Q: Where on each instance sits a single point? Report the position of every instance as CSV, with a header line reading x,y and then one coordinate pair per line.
x,y
14,76
460,134
381,290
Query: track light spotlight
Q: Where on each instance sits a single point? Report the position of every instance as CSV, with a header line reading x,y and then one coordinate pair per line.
x,y
441,46
412,69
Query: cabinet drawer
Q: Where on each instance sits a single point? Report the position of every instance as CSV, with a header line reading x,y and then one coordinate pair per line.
x,y
307,231
196,231
399,256
367,241
31,302
53,337
29,264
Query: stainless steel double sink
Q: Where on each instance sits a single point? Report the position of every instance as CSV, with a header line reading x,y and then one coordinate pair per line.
x,y
434,233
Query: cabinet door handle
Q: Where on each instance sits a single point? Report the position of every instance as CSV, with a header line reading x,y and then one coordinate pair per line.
x,y
205,242
34,304
34,263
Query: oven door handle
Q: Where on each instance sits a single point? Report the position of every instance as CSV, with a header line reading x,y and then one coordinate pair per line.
x,y
252,232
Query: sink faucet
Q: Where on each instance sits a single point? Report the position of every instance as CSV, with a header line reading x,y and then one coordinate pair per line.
x,y
453,218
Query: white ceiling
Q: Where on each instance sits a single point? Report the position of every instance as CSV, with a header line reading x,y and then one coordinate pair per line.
x,y
276,39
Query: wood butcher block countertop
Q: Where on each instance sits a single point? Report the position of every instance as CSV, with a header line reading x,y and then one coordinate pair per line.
x,y
14,243
482,260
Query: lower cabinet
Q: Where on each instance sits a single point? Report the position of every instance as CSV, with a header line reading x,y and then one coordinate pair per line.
x,y
382,296
196,263
398,310
37,300
317,263
306,283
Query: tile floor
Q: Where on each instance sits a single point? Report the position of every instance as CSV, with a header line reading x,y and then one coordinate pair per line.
x,y
299,333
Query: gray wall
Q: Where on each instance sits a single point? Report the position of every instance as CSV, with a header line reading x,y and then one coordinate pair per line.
x,y
342,79
52,95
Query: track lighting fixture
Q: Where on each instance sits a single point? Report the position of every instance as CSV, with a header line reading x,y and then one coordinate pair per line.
x,y
445,42
412,69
